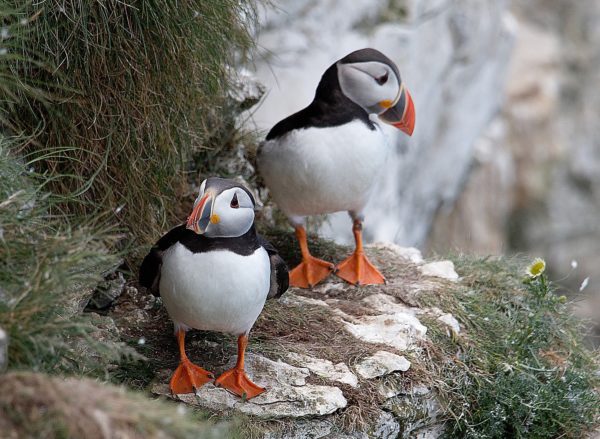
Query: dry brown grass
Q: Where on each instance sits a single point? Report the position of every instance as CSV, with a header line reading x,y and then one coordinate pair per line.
x,y
39,406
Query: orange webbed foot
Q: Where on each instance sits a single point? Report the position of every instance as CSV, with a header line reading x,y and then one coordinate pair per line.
x,y
188,377
236,381
310,272
358,270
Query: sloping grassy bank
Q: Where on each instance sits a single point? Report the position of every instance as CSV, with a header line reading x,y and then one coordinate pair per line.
x,y
121,99
520,367
106,108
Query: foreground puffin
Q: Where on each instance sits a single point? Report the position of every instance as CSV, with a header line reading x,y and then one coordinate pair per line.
x,y
215,273
327,157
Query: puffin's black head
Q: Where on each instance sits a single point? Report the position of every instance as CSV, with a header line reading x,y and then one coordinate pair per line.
x,y
223,209
372,80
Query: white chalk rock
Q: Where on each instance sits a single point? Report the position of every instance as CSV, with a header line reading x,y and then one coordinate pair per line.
x,y
325,368
382,363
399,331
441,269
287,393
450,321
411,254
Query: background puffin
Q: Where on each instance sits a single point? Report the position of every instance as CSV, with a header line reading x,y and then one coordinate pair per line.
x,y
215,273
327,157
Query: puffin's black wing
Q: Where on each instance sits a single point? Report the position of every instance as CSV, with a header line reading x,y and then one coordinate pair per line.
x,y
280,280
150,269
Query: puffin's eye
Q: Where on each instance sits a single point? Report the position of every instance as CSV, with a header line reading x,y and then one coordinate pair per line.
x,y
234,202
382,79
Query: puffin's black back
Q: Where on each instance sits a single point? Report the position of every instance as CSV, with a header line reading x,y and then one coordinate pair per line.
x,y
244,245
329,108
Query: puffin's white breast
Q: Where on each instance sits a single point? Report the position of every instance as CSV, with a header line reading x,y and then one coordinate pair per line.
x,y
217,290
323,170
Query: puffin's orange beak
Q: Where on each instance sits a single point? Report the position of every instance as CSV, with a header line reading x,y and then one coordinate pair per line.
x,y
200,216
402,114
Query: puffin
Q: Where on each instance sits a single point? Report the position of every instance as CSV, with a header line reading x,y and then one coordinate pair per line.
x,y
328,156
215,273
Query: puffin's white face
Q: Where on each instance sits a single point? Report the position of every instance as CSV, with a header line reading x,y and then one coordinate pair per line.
x,y
372,85
225,214
377,88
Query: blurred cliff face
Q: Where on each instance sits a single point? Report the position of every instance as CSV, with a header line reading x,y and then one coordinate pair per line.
x,y
452,56
505,156
535,186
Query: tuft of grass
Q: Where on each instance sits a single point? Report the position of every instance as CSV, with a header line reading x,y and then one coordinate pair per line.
x,y
47,269
121,98
40,406
519,367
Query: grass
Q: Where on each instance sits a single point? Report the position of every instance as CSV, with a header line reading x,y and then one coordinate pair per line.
x,y
48,267
40,406
519,368
122,99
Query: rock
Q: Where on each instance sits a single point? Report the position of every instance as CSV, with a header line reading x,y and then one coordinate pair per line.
x,y
441,269
418,411
398,326
381,363
399,330
106,292
287,396
3,350
451,322
291,299
411,254
304,429
386,427
246,90
325,368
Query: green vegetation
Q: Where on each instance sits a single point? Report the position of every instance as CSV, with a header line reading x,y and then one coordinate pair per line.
x,y
121,98
47,267
105,109
108,111
519,368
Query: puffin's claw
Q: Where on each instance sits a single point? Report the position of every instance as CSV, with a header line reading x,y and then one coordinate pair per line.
x,y
236,381
310,272
358,270
188,377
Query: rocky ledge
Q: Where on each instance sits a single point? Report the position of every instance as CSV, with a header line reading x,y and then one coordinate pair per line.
x,y
337,361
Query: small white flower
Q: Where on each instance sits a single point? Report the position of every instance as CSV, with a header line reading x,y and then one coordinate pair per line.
x,y
142,341
23,21
4,33
574,264
537,267
584,284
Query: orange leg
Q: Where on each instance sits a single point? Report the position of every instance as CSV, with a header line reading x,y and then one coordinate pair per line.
x,y
235,380
187,376
357,269
311,270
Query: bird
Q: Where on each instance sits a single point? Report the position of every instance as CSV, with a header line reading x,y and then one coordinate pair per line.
x,y
215,273
328,156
